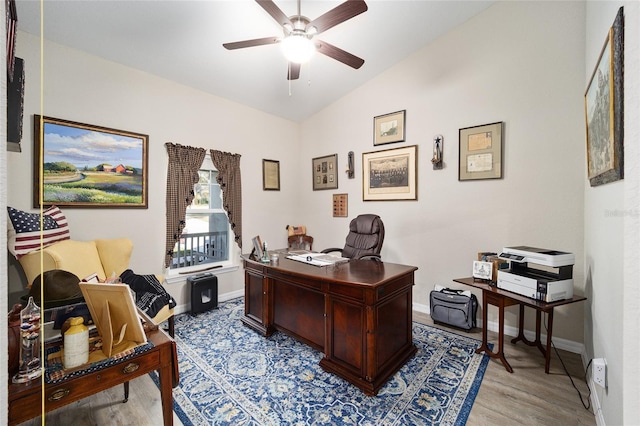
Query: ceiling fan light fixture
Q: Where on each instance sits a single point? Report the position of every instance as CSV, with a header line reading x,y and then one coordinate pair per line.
x,y
297,48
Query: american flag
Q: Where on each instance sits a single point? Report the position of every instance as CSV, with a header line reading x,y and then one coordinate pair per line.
x,y
25,235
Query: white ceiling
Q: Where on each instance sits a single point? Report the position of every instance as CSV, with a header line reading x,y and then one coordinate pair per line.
x,y
182,41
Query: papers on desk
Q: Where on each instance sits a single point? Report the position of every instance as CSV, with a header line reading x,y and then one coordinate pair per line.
x,y
318,259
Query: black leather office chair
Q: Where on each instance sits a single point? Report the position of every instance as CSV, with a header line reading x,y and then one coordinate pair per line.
x,y
365,238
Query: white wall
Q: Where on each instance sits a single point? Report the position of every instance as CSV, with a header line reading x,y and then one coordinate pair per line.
x,y
87,89
611,223
516,62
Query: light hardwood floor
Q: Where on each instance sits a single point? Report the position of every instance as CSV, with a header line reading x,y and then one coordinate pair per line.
x,y
527,396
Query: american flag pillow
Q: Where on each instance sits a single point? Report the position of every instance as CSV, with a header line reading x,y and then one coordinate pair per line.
x,y
24,230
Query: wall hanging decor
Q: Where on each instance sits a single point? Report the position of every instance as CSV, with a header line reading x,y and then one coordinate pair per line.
x,y
81,165
604,108
438,141
391,174
389,128
324,172
270,175
480,154
340,207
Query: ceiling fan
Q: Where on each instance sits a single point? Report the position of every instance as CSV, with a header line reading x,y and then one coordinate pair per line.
x,y
299,33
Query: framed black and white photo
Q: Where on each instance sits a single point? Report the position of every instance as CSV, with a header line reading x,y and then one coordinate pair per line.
x,y
325,174
390,174
389,128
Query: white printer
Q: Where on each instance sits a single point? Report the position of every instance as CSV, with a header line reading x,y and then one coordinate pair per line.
x,y
541,274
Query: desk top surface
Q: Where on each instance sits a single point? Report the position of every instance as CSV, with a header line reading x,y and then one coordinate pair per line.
x,y
538,304
354,272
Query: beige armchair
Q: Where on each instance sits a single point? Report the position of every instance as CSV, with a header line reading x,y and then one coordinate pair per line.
x,y
106,258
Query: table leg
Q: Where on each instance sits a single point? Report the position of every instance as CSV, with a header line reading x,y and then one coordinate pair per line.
x,y
485,347
547,357
166,378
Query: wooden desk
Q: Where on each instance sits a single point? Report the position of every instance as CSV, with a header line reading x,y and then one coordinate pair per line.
x,y
502,298
25,399
358,313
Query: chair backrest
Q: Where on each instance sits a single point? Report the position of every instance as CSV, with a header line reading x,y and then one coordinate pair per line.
x,y
366,235
301,242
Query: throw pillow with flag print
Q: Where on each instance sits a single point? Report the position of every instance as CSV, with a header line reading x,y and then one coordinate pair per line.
x,y
24,233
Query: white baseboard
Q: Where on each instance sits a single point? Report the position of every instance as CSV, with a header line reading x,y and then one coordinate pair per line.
x,y
564,344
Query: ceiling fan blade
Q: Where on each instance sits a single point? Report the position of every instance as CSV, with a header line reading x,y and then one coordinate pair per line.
x,y
337,15
339,54
293,71
251,43
275,12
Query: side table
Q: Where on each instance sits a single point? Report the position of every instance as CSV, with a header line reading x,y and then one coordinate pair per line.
x,y
503,298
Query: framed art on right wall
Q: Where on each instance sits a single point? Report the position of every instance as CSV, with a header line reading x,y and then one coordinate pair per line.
x,y
603,105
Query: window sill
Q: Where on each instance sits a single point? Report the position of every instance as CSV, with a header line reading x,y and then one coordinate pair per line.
x,y
176,277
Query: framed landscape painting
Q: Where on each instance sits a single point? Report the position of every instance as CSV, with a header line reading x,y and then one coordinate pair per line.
x,y
81,165
604,109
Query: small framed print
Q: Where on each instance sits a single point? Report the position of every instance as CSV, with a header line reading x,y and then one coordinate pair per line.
x,y
270,175
325,172
389,128
482,270
480,154
340,208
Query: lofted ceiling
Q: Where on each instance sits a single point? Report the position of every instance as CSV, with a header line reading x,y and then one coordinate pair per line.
x,y
182,41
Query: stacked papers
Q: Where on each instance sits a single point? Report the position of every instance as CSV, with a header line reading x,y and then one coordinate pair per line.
x,y
318,259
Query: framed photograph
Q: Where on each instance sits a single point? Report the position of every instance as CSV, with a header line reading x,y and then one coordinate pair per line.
x,y
482,270
389,128
603,102
257,247
81,165
391,174
480,153
325,172
270,175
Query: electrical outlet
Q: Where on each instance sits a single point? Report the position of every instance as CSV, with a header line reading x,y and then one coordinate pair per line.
x,y
599,371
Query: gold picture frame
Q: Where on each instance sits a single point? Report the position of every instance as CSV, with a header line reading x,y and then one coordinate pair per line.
x,y
390,174
325,172
480,153
270,175
389,128
603,105
83,165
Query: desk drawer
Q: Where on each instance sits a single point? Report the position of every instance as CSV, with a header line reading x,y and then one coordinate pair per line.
x,y
28,404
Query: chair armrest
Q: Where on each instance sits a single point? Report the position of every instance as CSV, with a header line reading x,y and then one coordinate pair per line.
x,y
375,257
329,250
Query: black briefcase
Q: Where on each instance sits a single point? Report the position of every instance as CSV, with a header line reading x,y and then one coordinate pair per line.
x,y
452,308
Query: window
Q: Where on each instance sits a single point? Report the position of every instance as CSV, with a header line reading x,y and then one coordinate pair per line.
x,y
206,236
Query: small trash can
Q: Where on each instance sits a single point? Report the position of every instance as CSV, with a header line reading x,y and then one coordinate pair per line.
x,y
204,292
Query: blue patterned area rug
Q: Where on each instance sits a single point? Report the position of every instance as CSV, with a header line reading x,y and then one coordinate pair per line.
x,y
231,375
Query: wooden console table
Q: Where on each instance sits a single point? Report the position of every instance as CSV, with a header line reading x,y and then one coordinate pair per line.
x,y
358,313
503,298
25,399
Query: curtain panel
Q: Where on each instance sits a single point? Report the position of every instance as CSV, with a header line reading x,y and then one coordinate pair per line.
x,y
182,175
228,166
